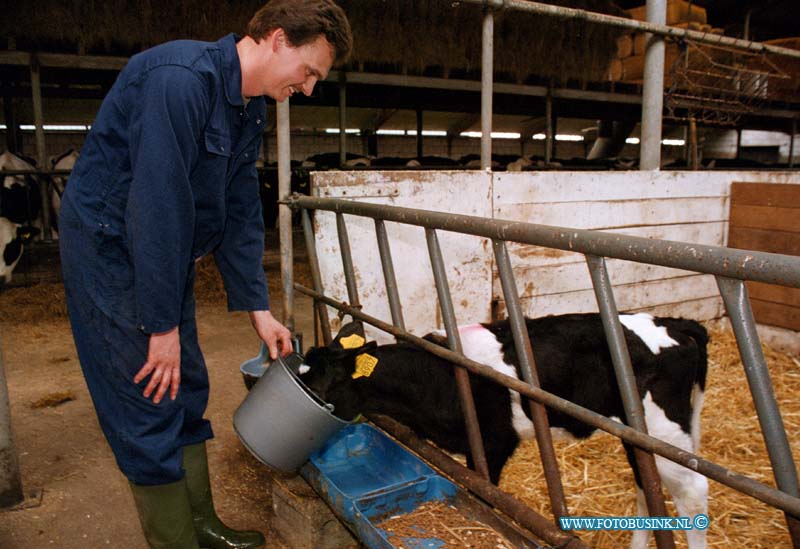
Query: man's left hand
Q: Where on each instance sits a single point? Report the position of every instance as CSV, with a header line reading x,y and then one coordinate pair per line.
x,y
272,332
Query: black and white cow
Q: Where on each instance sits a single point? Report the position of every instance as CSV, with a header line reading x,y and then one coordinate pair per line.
x,y
12,239
20,198
418,389
63,161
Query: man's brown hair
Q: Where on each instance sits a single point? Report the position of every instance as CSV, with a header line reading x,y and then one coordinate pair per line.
x,y
303,21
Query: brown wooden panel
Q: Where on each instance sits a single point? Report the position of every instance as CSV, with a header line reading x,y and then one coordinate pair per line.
x,y
774,314
774,293
765,217
766,194
777,242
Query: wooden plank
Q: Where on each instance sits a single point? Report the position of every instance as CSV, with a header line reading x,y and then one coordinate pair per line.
x,y
678,11
572,277
765,217
775,314
777,242
623,213
774,293
546,187
699,233
766,194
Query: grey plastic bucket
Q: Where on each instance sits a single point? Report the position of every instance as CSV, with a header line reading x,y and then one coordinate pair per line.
x,y
281,421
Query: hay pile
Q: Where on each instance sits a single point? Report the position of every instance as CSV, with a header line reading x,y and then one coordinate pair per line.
x,y
393,35
46,301
599,482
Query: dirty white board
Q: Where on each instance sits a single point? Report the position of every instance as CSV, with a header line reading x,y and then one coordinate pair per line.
x,y
468,259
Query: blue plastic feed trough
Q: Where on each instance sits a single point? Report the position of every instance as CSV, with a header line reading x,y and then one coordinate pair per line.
x,y
360,460
373,516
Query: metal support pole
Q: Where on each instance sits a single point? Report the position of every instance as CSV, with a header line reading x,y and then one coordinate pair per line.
x,y
628,24
454,342
791,143
487,78
10,481
631,400
549,137
695,156
653,90
342,118
12,128
737,302
285,212
316,277
419,133
527,362
738,143
347,261
388,274
41,151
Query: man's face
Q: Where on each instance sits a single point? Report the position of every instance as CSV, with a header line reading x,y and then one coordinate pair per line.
x,y
291,69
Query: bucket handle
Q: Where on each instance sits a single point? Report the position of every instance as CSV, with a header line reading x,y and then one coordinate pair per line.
x,y
263,353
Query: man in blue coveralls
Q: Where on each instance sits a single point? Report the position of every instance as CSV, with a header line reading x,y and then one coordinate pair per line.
x,y
167,174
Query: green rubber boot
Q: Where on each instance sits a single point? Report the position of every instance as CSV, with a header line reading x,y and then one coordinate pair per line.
x,y
165,515
211,532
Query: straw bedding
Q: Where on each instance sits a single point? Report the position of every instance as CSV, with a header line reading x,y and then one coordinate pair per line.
x,y
599,482
46,301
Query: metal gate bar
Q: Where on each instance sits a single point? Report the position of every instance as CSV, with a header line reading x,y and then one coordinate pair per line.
x,y
714,471
484,489
347,261
454,342
316,278
737,302
389,279
631,400
527,362
725,263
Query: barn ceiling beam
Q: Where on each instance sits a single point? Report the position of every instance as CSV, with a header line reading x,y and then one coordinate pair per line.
x,y
65,61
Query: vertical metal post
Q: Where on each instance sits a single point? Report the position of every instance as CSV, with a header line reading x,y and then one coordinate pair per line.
x,y
284,212
527,363
695,157
653,90
454,342
631,400
791,143
41,150
738,143
737,302
316,277
10,481
347,260
487,84
342,118
549,138
388,274
419,133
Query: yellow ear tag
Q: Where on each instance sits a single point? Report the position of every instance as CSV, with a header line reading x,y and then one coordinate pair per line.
x,y
353,341
365,364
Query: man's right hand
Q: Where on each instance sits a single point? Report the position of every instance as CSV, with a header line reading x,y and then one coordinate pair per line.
x,y
163,365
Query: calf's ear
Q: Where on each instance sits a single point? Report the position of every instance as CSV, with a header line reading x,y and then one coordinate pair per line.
x,y
350,336
26,233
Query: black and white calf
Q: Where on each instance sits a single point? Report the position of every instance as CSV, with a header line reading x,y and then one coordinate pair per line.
x,y
12,238
418,389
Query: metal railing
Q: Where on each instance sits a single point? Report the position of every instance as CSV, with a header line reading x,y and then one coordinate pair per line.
x,y
731,267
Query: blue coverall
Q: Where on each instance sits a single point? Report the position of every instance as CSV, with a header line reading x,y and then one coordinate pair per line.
x,y
166,175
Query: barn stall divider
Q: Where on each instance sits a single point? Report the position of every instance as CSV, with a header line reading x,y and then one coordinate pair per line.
x,y
730,267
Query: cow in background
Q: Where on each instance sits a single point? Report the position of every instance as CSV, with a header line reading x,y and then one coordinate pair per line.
x,y
12,239
20,197
63,161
